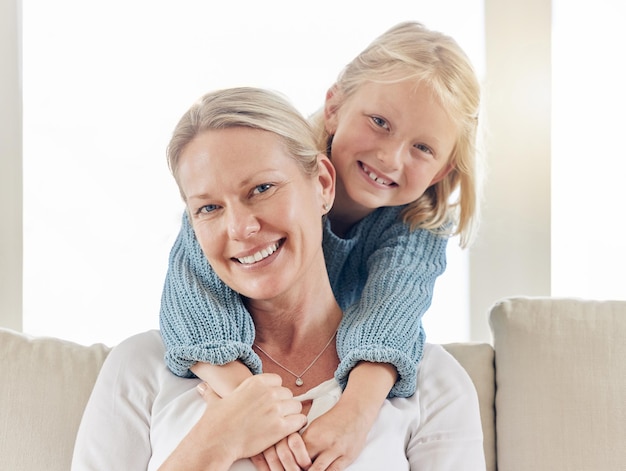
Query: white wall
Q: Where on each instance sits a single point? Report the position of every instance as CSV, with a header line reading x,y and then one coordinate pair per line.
x,y
100,209
589,155
512,254
525,204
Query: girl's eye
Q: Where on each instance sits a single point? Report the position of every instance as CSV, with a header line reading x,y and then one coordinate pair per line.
x,y
262,188
380,122
424,148
206,209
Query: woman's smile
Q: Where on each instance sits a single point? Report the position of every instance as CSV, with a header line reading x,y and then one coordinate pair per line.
x,y
260,255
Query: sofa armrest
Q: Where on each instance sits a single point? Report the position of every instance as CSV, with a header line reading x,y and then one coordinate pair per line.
x,y
560,383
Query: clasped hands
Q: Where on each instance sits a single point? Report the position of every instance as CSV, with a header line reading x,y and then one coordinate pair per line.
x,y
261,420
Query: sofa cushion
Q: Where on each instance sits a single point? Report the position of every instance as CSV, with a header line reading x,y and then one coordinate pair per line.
x,y
560,384
47,383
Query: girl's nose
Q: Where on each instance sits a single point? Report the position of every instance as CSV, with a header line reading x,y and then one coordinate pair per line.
x,y
390,156
242,223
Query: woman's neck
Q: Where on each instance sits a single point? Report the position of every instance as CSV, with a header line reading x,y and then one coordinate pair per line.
x,y
288,327
297,341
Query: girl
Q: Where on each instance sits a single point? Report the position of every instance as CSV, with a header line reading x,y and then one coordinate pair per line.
x,y
400,127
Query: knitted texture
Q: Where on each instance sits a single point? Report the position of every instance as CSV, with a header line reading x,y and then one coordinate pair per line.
x,y
383,277
202,319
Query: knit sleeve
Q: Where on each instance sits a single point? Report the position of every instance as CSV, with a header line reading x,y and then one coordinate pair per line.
x,y
385,324
201,318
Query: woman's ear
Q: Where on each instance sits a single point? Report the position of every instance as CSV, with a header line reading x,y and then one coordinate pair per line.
x,y
331,107
326,177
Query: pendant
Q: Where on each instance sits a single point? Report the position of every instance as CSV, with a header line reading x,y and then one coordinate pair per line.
x,y
299,382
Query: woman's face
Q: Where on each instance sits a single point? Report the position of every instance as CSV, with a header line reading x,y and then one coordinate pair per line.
x,y
390,143
255,214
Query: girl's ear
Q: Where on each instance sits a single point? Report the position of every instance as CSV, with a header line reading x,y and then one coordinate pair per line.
x,y
331,106
326,177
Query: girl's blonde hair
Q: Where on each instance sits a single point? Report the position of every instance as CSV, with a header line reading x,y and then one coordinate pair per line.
x,y
411,51
246,107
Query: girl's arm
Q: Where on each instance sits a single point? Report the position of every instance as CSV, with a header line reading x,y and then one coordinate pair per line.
x,y
384,325
381,336
339,435
204,325
203,320
223,379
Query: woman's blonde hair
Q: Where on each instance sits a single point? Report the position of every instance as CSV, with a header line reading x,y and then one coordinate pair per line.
x,y
246,107
411,51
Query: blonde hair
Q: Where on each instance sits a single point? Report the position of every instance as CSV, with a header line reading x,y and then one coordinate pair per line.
x,y
411,51
246,107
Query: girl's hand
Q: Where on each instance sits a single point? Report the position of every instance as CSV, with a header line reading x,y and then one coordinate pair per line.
x,y
290,454
335,439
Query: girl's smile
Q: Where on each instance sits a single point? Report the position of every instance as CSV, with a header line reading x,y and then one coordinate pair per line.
x,y
374,176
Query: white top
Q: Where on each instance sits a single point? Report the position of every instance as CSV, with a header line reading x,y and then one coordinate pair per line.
x,y
139,411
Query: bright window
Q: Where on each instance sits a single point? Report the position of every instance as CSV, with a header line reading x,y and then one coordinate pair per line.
x,y
588,152
104,84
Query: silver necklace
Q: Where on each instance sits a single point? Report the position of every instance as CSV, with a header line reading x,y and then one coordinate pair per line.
x,y
299,381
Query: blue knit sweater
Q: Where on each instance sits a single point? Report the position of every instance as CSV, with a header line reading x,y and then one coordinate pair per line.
x,y
382,275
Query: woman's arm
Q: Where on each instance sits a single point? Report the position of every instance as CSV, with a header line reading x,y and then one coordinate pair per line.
x,y
259,413
114,432
447,434
139,414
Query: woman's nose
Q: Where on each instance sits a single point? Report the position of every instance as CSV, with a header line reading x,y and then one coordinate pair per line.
x,y
242,223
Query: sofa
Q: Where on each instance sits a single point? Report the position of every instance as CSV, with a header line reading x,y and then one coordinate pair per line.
x,y
551,387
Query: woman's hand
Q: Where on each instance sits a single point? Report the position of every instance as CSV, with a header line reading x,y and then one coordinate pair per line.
x,y
258,413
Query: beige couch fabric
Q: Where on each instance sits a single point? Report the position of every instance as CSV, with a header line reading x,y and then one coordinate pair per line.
x,y
560,384
44,386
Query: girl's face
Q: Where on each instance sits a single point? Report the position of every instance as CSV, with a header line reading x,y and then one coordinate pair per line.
x,y
255,214
390,143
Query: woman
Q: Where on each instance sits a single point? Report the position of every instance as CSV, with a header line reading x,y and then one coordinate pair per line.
x,y
256,188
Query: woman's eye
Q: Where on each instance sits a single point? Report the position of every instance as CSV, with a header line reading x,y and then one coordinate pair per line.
x,y
380,122
261,188
206,209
